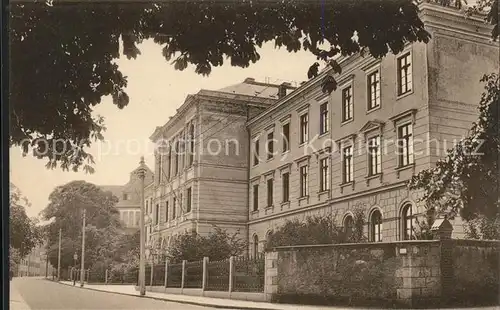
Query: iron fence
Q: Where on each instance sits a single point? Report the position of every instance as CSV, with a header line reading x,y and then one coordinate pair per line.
x,y
218,275
159,275
248,274
174,276
97,276
193,274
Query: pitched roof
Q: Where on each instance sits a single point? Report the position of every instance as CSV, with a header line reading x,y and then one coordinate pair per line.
x,y
116,190
250,87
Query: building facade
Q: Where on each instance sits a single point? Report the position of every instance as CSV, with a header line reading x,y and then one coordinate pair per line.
x,y
35,264
201,168
129,198
283,153
355,148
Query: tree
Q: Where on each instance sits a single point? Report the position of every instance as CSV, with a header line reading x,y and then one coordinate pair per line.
x,y
14,259
465,182
66,205
218,245
75,44
23,233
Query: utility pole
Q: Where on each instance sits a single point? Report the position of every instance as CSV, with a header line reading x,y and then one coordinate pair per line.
x,y
59,256
142,268
47,264
82,270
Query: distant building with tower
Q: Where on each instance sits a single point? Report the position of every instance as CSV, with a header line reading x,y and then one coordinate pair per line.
x,y
129,198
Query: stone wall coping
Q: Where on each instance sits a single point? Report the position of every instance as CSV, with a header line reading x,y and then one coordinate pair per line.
x,y
473,242
361,245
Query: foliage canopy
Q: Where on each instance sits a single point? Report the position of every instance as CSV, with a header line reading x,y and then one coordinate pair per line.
x,y
73,47
218,245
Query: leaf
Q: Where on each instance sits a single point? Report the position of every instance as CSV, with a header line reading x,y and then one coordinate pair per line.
x,y
313,71
328,84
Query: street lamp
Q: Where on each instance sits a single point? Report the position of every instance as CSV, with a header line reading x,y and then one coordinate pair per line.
x,y
141,172
75,257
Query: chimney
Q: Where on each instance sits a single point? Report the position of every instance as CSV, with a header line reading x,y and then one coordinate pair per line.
x,y
282,89
249,80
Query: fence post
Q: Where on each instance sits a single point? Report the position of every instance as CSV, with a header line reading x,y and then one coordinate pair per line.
x,y
204,278
106,276
183,275
231,274
166,273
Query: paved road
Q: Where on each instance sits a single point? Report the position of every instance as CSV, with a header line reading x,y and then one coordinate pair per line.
x,y
42,294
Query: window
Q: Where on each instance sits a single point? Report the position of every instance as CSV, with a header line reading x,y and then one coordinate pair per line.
x,y
348,226
303,181
191,145
286,137
256,197
323,120
147,206
166,212
169,159
304,131
374,90
285,177
181,210
182,148
404,74
405,145
125,218
256,152
174,207
157,214
407,222
348,165
255,245
125,196
270,184
131,218
188,200
374,156
177,151
347,104
376,226
270,145
160,167
324,175
137,218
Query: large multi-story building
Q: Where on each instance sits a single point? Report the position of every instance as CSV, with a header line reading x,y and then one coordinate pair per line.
x,y
307,152
129,198
201,169
357,147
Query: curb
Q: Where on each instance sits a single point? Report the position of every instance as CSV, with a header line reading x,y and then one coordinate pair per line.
x,y
167,299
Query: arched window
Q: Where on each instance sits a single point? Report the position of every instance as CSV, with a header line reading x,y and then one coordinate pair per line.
x,y
348,226
376,226
255,245
407,222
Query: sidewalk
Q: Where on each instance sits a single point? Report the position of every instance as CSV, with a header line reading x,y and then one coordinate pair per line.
x,y
16,302
217,302
200,301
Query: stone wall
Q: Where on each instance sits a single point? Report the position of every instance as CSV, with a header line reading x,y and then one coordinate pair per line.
x,y
396,274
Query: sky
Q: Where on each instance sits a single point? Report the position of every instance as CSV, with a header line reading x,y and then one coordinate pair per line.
x,y
156,90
